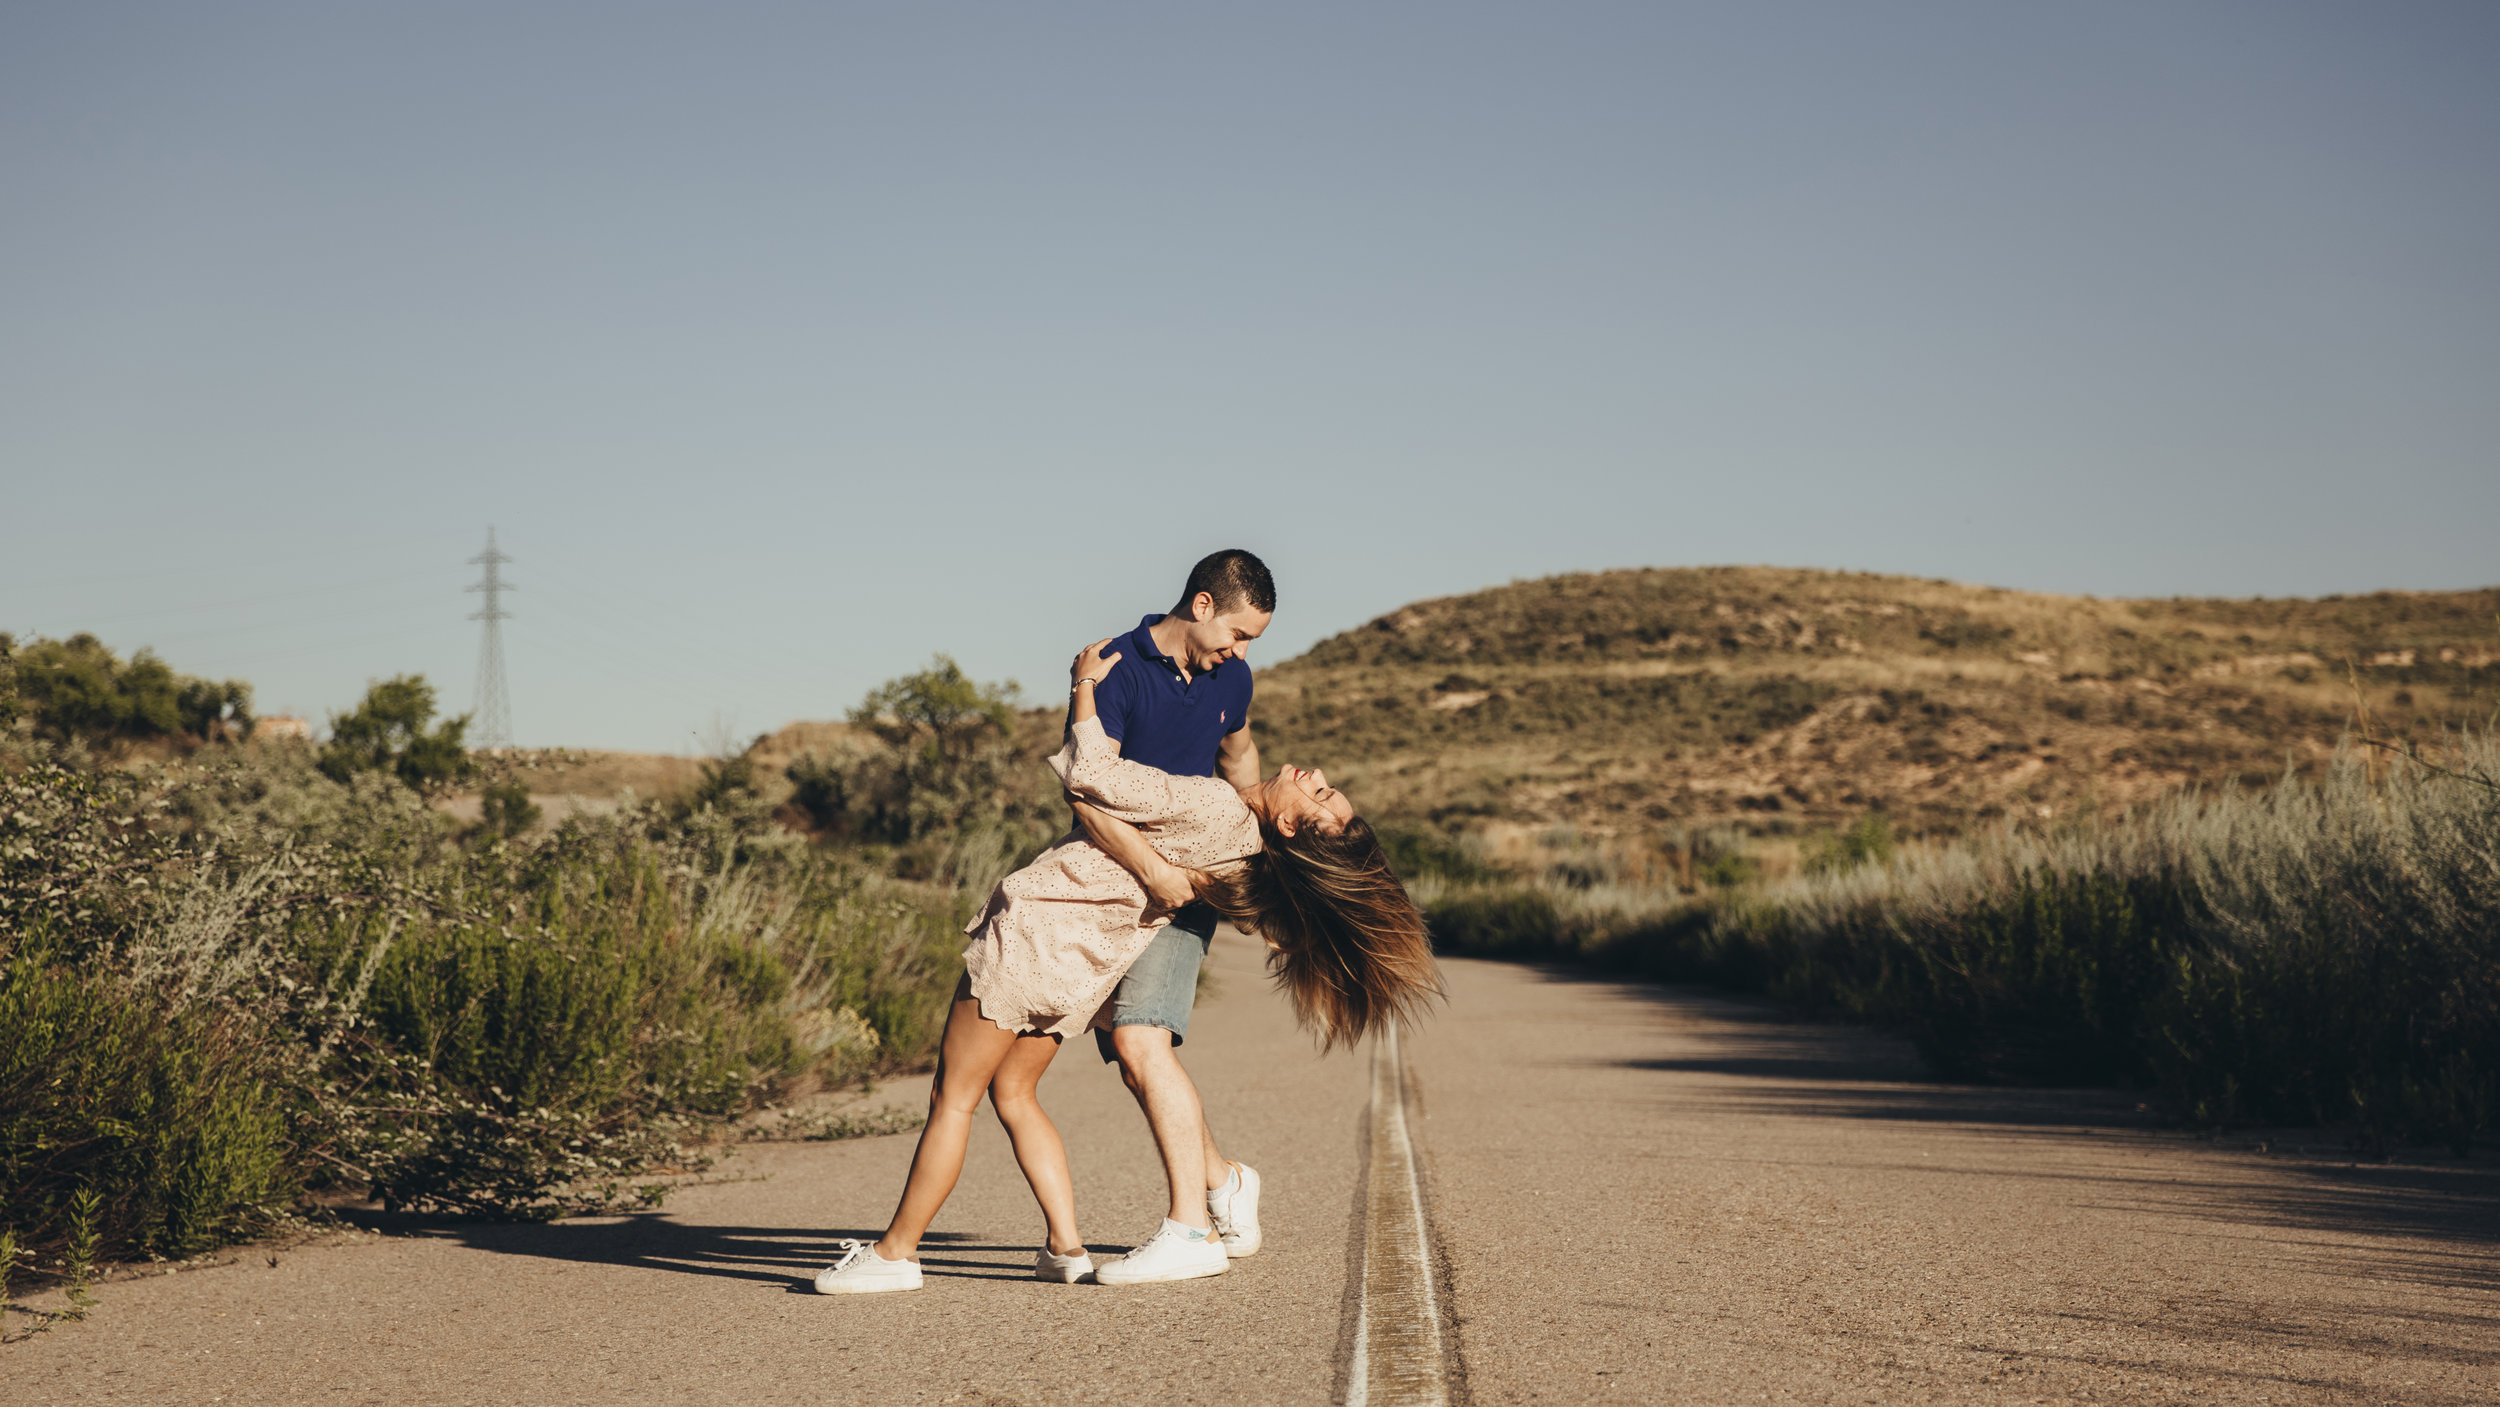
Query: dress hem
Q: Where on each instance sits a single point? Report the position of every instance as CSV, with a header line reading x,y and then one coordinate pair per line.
x,y
972,984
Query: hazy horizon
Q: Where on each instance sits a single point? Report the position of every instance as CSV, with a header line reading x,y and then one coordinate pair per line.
x,y
786,346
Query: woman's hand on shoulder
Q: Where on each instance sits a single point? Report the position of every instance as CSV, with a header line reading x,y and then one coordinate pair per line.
x,y
1092,665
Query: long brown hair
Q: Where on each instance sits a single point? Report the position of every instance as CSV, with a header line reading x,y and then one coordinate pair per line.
x,y
1348,944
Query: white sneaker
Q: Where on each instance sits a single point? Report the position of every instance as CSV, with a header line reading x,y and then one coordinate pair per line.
x,y
1176,1252
1238,1223
861,1271
1062,1270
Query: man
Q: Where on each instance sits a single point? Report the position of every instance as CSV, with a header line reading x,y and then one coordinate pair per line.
x,y
1181,704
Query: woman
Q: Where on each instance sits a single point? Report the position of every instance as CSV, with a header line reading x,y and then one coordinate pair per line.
x,y
1286,858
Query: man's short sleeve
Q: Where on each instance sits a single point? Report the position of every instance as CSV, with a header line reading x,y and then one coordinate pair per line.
x,y
1239,703
1115,695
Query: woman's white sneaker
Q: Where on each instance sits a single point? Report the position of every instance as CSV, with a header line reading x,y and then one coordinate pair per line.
x,y
1062,1270
1176,1252
861,1271
1238,1222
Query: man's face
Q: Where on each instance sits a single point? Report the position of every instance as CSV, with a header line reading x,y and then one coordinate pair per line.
x,y
1212,637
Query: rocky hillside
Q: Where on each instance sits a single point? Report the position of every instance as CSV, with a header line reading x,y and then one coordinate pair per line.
x,y
1634,701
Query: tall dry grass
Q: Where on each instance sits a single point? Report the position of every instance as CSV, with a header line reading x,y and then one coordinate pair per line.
x,y
2326,949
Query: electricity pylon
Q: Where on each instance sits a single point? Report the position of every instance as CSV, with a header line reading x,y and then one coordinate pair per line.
x,y
492,720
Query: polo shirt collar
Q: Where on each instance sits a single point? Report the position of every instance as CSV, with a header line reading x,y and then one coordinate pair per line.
x,y
1143,640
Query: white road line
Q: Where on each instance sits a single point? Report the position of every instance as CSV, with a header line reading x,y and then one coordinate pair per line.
x,y
1397,1360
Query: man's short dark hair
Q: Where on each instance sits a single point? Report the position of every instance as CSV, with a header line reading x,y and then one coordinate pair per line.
x,y
1234,578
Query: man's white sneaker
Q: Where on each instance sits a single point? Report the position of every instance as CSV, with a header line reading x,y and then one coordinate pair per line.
x,y
1238,1223
861,1271
1062,1270
1176,1252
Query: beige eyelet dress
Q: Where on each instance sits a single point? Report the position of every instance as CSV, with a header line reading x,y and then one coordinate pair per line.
x,y
1057,935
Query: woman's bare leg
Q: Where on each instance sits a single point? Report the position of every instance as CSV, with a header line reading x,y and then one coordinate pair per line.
x,y
1038,1149
973,1049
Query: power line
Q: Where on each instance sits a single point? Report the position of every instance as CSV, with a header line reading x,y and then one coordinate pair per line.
x,y
494,702
224,606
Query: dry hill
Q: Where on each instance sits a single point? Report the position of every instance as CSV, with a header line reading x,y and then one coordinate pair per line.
x,y
1652,701
1633,701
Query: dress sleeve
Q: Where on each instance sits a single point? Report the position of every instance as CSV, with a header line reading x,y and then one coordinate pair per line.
x,y
1091,768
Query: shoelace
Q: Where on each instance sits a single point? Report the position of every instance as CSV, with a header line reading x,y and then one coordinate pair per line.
x,y
1176,1233
851,1251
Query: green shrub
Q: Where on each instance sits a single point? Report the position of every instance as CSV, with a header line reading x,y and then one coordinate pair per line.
x,y
942,752
2354,932
2048,982
253,979
12,707
505,809
2327,950
265,972
1415,852
630,987
176,1116
79,691
1508,921
1867,841
388,732
1727,869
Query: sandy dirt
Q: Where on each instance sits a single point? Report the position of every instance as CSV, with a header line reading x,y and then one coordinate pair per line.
x,y
1639,1194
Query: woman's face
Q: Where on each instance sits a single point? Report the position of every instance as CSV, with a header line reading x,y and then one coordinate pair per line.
x,y
1296,797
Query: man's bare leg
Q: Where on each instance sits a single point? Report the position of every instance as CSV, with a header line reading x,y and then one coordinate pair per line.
x,y
1152,1070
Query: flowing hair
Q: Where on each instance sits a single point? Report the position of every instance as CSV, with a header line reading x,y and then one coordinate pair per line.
x,y
1347,944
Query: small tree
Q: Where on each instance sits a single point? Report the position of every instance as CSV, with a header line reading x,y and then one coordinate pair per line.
x,y
506,808
938,713
82,692
388,733
78,690
1869,841
213,710
9,706
944,743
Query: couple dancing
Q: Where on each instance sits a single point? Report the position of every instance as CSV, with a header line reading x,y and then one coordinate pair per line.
x,y
1175,829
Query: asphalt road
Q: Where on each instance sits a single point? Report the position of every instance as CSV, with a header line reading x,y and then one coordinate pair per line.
x,y
1635,1195
1652,1195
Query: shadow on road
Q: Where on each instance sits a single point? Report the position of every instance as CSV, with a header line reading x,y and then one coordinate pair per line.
x,y
652,1241
1753,1057
2459,1205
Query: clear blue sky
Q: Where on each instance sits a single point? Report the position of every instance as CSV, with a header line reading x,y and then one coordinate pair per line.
x,y
787,344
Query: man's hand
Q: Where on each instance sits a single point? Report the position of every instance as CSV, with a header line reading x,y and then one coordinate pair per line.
x,y
1167,885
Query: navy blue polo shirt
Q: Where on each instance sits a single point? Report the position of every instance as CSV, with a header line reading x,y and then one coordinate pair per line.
x,y
1161,721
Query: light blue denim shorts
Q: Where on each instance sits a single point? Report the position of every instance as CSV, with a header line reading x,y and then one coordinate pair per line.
x,y
1162,985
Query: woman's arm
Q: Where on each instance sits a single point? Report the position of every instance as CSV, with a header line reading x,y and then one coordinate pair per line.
x,y
1091,668
1091,768
1167,885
